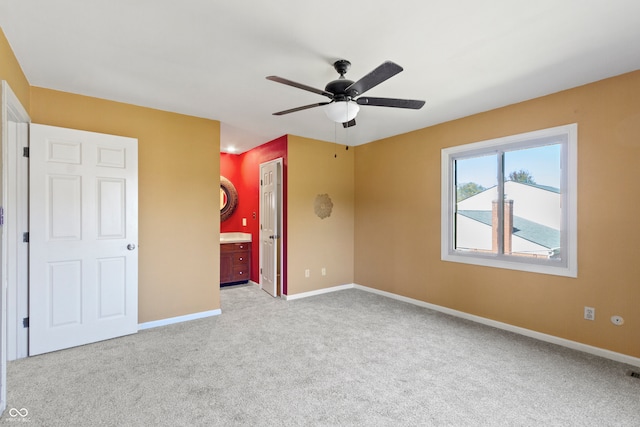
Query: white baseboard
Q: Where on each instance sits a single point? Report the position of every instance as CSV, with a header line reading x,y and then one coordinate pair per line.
x,y
318,292
607,354
186,317
178,319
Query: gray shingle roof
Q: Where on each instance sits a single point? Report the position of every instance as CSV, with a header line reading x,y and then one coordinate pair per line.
x,y
541,187
523,228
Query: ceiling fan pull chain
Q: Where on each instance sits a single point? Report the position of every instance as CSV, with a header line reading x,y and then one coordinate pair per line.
x,y
335,138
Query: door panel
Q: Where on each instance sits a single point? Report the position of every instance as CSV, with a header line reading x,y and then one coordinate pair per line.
x,y
65,293
64,219
83,214
111,208
269,222
112,287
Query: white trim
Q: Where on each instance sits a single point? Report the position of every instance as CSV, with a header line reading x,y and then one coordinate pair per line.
x,y
17,211
569,202
607,354
178,319
12,110
15,202
318,292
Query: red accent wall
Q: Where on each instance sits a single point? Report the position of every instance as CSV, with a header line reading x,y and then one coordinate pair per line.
x,y
243,170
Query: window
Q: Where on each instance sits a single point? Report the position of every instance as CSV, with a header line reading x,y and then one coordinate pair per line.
x,y
511,202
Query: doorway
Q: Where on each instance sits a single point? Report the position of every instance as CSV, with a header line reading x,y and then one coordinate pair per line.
x,y
271,226
17,325
12,250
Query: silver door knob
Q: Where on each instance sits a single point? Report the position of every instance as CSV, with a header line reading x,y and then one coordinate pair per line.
x,y
131,246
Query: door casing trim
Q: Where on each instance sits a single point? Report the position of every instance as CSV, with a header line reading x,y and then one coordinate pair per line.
x,y
16,344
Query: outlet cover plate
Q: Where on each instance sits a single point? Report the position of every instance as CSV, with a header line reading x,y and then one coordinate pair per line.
x,y
589,313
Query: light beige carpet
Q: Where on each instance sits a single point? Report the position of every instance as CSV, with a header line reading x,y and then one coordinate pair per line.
x,y
345,358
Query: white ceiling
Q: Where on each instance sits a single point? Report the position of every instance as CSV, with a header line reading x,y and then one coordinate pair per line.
x,y
209,58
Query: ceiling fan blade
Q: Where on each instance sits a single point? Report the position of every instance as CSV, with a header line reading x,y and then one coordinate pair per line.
x,y
383,72
350,123
391,102
306,107
300,86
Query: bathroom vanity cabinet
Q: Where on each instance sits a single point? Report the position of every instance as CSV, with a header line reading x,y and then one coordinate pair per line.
x,y
235,262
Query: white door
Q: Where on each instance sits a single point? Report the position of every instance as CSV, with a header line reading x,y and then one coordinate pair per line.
x,y
83,236
269,226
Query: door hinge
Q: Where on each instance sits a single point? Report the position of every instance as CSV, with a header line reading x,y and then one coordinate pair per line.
x,y
25,237
25,322
261,183
25,151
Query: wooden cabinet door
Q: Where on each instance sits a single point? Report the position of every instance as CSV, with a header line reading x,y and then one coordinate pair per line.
x,y
226,267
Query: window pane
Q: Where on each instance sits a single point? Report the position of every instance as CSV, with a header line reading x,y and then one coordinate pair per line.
x,y
532,177
533,208
476,181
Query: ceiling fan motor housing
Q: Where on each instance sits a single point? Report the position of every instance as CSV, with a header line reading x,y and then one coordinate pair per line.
x,y
338,89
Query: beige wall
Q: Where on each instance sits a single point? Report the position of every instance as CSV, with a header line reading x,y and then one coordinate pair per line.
x,y
178,179
11,71
397,217
178,173
314,243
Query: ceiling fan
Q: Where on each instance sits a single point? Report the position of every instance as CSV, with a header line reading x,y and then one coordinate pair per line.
x,y
344,94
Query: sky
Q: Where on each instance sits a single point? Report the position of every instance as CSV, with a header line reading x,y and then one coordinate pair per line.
x,y
543,164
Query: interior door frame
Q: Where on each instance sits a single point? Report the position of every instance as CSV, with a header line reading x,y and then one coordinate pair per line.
x,y
279,191
12,110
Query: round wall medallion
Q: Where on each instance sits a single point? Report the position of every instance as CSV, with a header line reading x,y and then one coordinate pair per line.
x,y
228,198
323,206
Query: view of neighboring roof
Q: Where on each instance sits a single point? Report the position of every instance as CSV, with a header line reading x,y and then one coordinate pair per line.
x,y
542,187
539,204
538,186
523,228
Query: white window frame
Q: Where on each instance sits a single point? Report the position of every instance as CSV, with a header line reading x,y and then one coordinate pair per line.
x,y
567,135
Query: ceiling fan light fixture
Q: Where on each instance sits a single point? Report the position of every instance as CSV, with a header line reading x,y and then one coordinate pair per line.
x,y
342,111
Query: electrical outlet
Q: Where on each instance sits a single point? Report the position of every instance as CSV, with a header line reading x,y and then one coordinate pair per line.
x,y
589,313
324,271
307,273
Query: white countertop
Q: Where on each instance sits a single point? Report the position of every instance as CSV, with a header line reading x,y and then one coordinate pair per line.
x,y
235,237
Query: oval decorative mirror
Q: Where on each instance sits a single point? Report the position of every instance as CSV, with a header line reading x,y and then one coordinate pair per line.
x,y
228,198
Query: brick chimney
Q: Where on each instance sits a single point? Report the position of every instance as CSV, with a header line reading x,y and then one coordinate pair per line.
x,y
508,226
